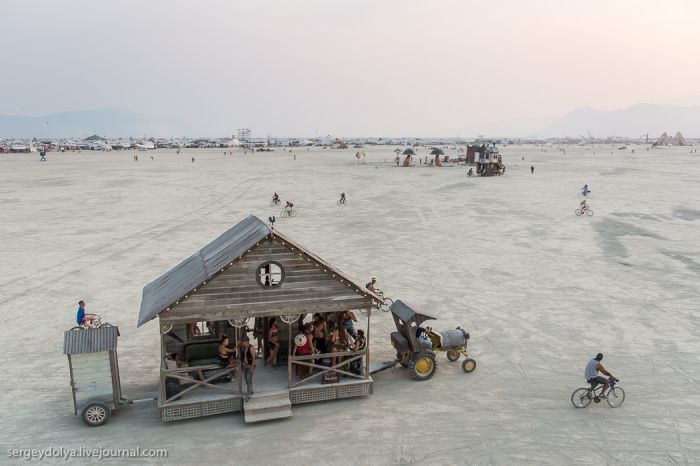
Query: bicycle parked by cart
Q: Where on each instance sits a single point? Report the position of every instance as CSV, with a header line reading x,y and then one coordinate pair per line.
x,y
583,396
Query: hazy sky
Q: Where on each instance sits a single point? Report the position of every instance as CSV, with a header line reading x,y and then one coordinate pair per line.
x,y
355,67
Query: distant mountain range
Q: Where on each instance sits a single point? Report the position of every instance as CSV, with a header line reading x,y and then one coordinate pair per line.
x,y
110,123
632,121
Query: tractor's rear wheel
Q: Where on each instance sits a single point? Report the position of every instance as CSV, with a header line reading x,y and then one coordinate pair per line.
x,y
423,365
452,355
468,365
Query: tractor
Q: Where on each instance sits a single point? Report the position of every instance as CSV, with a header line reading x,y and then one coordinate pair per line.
x,y
416,356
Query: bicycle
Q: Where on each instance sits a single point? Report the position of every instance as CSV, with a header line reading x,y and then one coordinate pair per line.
x,y
274,202
342,201
584,195
582,397
386,303
96,323
288,212
588,212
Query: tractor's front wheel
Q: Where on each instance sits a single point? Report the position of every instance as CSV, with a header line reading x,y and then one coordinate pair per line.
x,y
468,365
453,355
423,365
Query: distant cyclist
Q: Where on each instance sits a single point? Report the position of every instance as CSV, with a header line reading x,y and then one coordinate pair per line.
x,y
289,206
584,206
342,200
276,198
592,368
370,286
585,191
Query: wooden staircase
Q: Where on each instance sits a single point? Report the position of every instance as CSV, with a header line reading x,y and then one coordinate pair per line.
x,y
267,406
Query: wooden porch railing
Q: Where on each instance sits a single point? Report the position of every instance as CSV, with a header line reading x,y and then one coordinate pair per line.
x,y
182,374
302,361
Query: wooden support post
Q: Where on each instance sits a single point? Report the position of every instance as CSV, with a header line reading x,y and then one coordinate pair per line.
x,y
369,316
289,357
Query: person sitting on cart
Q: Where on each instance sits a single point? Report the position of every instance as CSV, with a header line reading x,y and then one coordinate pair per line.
x,y
84,319
226,356
423,335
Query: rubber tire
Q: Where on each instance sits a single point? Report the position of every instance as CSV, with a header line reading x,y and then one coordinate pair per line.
x,y
578,212
95,414
619,398
283,213
293,213
420,356
466,362
577,395
589,212
453,355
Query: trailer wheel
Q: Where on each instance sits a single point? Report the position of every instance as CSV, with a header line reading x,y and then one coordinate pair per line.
x,y
422,365
468,365
95,414
452,355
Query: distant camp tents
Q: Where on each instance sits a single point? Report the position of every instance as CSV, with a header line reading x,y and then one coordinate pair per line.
x,y
666,140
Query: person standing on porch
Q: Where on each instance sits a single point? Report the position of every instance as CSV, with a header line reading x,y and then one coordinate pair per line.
x,y
248,362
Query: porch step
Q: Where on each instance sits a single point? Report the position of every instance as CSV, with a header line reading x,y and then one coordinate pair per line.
x,y
267,406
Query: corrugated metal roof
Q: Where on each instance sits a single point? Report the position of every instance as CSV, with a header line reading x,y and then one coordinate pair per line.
x,y
407,312
201,266
90,340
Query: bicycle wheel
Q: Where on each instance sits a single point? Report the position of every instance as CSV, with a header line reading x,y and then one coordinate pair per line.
x,y
589,212
578,212
283,213
386,305
337,203
581,398
293,213
616,396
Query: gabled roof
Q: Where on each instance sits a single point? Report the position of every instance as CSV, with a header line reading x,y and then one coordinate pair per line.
x,y
92,340
200,267
166,291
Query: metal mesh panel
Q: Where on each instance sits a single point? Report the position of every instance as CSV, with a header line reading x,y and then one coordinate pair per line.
x,y
176,413
312,394
347,391
221,406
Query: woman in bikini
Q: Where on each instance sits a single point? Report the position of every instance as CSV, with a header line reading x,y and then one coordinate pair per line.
x,y
273,342
226,356
339,342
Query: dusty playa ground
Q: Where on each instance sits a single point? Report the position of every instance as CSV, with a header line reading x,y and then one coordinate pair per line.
x,y
539,289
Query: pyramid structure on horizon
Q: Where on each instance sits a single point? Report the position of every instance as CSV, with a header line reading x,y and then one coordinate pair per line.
x,y
666,140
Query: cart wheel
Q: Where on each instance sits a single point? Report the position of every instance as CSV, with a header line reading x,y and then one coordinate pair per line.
x,y
423,365
468,365
95,414
452,355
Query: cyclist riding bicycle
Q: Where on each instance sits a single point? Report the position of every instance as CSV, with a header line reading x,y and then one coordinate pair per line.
x,y
583,206
342,197
84,319
370,286
289,206
275,197
585,191
591,373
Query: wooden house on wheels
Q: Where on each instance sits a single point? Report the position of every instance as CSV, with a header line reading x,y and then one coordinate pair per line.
x,y
252,272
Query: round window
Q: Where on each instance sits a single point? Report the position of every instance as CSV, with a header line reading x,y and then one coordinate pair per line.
x,y
270,274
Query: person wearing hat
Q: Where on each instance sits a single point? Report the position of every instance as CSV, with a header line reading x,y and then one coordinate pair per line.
x,y
304,346
592,368
248,363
